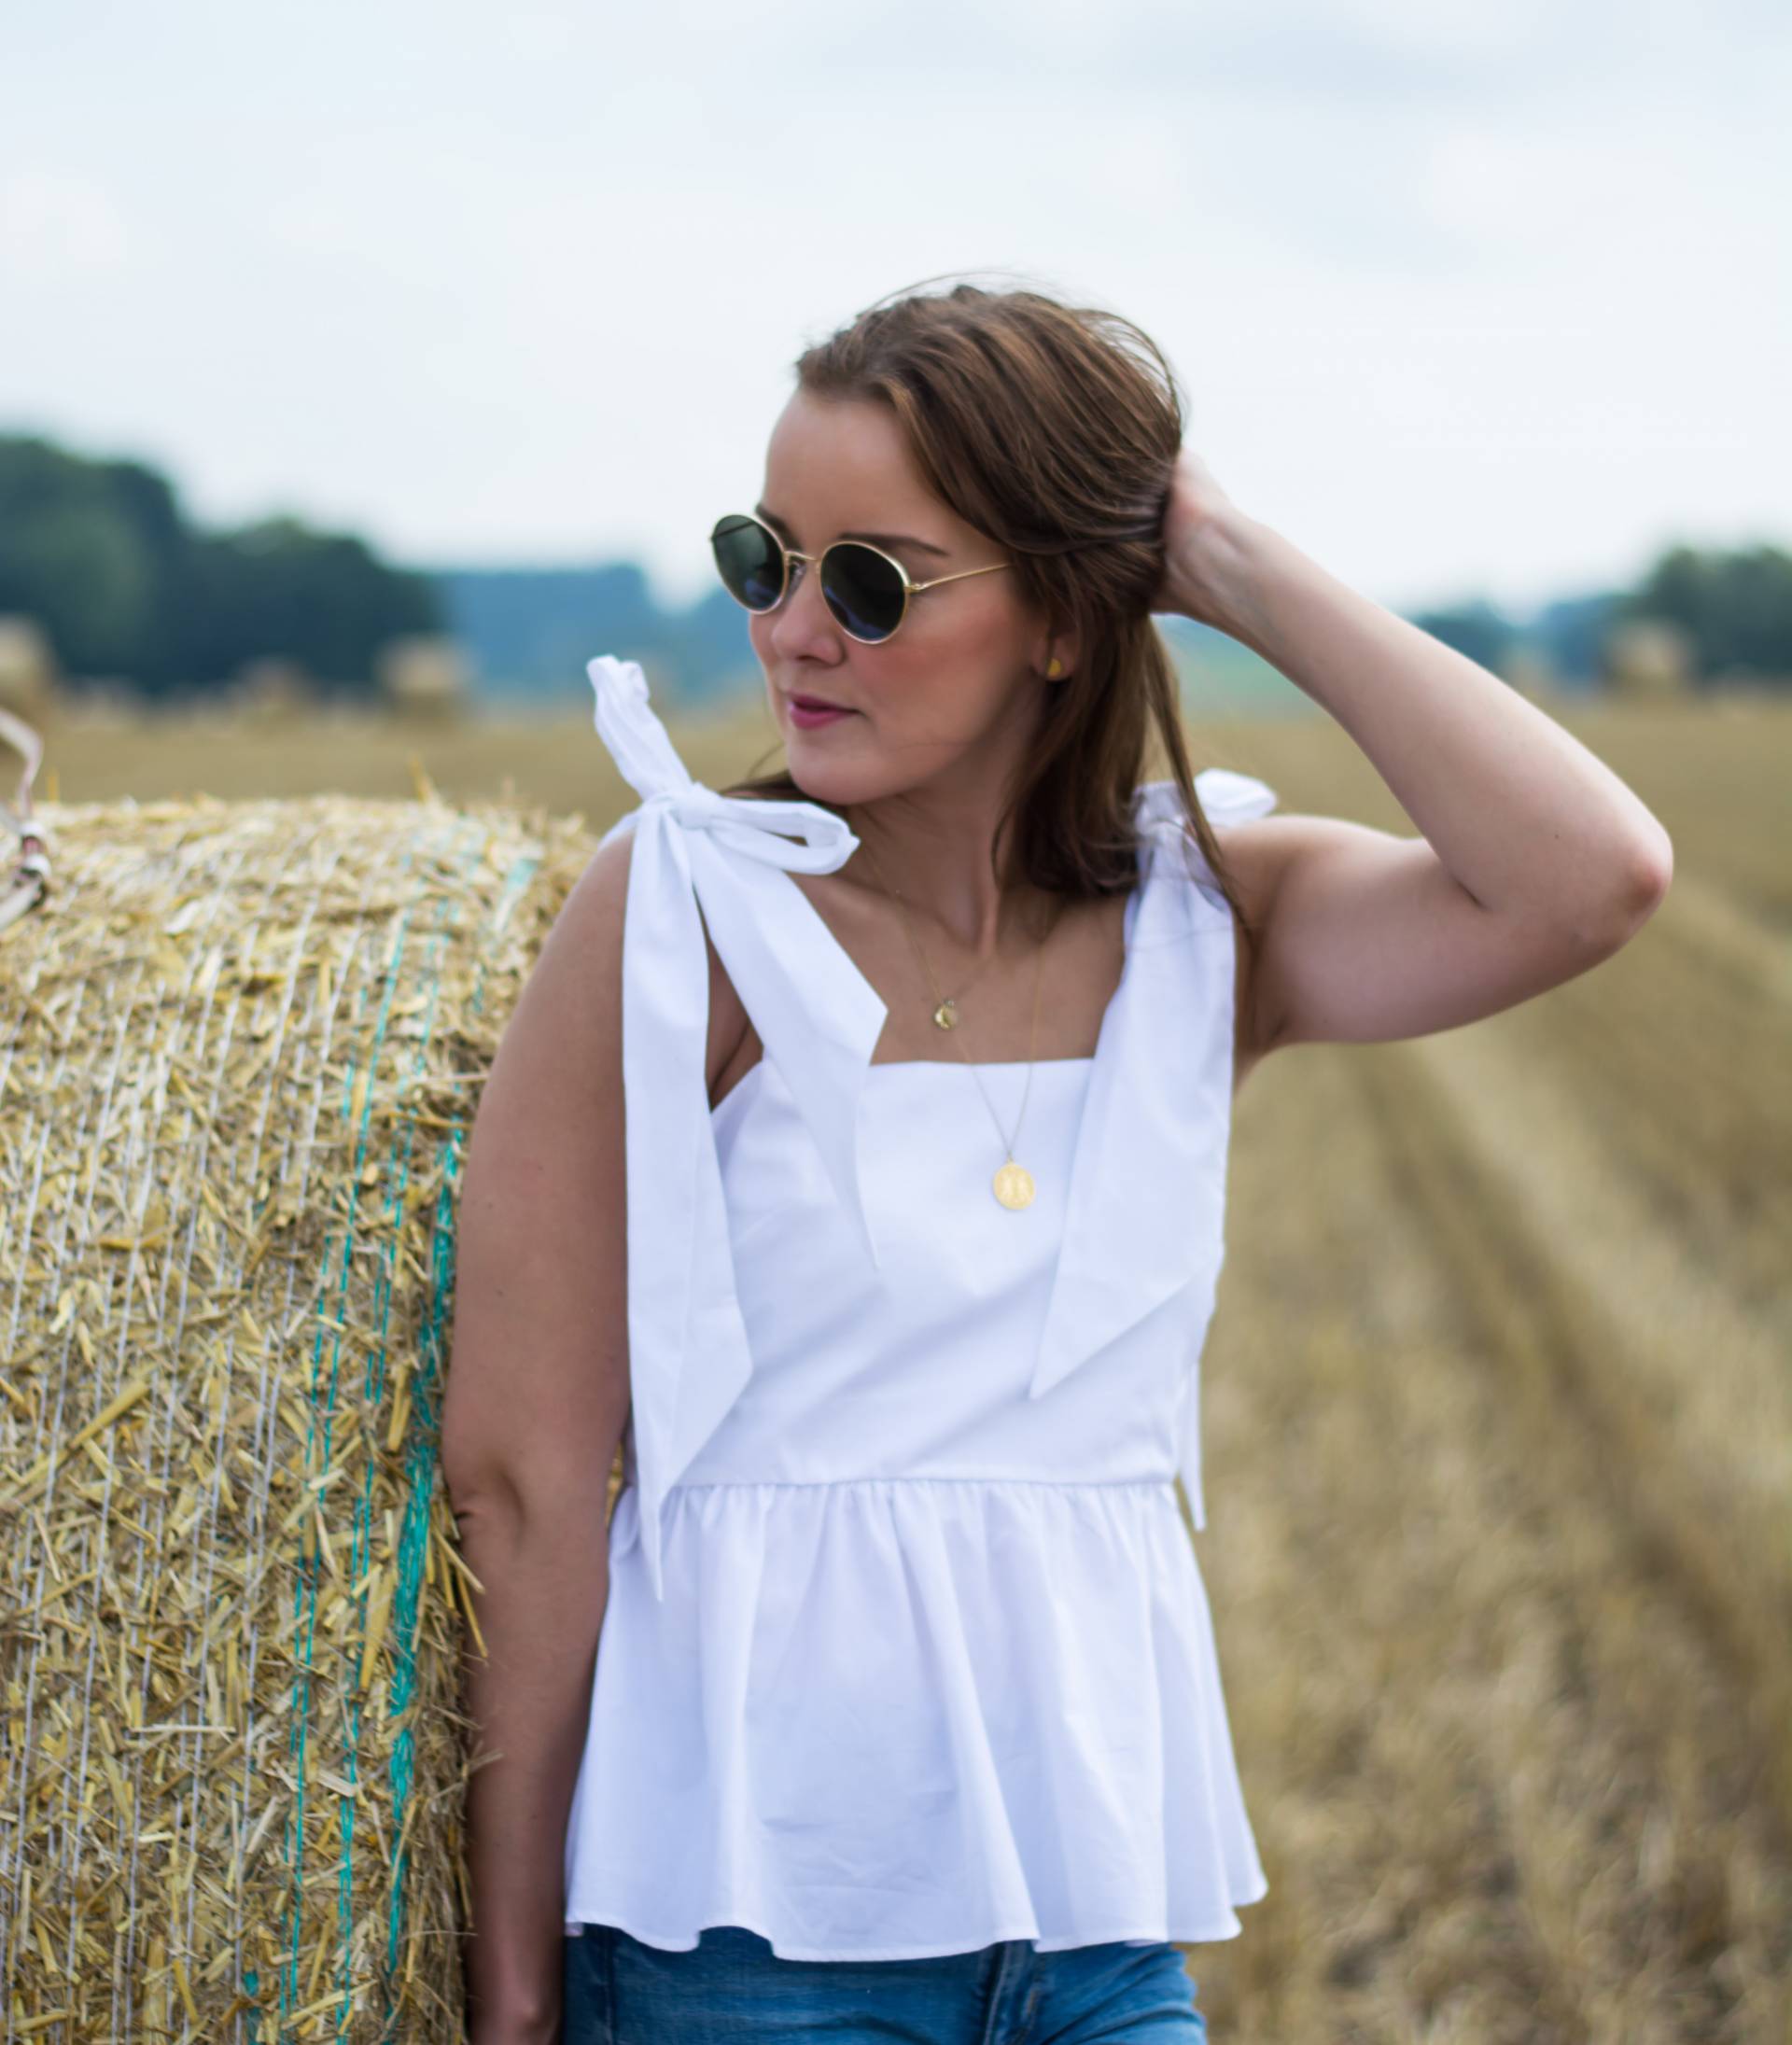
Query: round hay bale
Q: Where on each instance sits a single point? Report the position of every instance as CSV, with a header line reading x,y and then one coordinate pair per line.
x,y
27,667
423,676
104,699
24,842
1648,657
269,690
1531,673
240,1046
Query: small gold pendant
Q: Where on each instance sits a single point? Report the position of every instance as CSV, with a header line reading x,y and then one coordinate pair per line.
x,y
1015,1185
946,1013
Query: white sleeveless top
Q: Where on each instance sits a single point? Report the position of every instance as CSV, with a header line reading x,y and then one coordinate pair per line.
x,y
907,1650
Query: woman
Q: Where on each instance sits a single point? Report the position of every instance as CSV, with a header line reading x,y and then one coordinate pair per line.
x,y
892,1278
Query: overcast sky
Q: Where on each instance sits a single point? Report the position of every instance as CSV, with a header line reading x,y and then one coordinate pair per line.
x,y
1465,298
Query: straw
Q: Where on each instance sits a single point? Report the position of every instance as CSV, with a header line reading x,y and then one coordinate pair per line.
x,y
240,1046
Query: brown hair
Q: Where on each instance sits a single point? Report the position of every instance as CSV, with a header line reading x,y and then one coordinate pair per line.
x,y
1053,429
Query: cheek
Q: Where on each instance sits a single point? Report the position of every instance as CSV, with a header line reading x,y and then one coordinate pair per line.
x,y
949,699
957,679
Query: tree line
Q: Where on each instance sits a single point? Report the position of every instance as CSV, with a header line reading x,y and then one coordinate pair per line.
x,y
101,554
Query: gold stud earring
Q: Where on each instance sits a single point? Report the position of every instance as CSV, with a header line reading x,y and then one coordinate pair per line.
x,y
1054,670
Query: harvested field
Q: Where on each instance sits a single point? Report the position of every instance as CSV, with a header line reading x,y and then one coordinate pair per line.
x,y
1498,1425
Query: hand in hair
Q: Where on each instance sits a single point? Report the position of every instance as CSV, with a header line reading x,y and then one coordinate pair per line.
x,y
1200,522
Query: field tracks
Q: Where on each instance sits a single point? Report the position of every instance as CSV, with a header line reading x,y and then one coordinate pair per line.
x,y
1640,1368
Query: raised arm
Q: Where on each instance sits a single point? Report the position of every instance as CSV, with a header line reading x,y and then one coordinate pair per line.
x,y
1536,861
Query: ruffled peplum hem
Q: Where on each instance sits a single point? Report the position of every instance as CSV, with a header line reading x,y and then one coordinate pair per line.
x,y
891,1718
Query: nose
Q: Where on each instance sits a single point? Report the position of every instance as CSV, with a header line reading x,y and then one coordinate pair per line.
x,y
803,623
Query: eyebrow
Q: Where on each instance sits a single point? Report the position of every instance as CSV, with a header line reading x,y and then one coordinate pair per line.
x,y
877,540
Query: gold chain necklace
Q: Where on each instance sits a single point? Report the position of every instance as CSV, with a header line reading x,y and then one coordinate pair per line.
x,y
1013,1185
946,1012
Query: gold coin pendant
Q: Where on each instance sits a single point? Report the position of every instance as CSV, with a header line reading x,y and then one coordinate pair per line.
x,y
946,1013
1015,1185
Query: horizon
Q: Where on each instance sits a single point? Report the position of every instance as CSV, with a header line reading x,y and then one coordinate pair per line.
x,y
1463,305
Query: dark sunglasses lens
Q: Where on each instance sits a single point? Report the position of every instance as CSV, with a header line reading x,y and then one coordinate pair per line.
x,y
862,589
748,562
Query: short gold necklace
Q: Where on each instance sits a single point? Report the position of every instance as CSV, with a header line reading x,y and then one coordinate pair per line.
x,y
1013,1185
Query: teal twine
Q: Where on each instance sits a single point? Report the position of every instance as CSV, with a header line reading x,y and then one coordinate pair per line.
x,y
420,1459
421,1454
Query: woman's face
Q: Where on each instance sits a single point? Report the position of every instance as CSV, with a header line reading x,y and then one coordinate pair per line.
x,y
961,680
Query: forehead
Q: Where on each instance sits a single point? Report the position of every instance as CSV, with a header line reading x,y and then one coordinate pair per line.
x,y
846,461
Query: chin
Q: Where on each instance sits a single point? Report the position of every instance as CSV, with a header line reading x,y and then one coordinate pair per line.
x,y
824,781
819,786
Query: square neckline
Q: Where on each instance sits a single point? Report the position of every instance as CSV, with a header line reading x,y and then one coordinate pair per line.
x,y
875,1064
1086,1061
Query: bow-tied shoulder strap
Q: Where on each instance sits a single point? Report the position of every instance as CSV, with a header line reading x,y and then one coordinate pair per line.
x,y
1226,797
1145,1223
701,858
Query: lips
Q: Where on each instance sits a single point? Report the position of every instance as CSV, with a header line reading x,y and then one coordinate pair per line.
x,y
814,702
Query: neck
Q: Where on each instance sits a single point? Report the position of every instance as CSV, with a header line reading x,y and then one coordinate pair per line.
x,y
939,868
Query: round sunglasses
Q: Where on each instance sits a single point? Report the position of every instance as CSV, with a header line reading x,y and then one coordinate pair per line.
x,y
865,589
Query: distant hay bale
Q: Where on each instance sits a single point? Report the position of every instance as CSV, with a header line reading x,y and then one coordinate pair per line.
x,y
423,676
272,690
1531,673
1648,657
241,1046
27,667
105,699
1738,678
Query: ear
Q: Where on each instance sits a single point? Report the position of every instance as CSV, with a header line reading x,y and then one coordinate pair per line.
x,y
1063,648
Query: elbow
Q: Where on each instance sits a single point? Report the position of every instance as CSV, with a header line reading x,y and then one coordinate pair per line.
x,y
544,1454
1647,874
553,1501
1642,880
475,1489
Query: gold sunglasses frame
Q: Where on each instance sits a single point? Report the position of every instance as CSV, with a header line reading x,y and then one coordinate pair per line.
x,y
789,553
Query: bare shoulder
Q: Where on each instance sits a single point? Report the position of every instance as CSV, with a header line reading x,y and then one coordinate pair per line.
x,y
583,957
574,993
1252,852
1263,856
537,1391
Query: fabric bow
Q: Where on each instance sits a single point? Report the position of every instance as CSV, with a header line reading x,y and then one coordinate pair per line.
x,y
700,857
1145,1220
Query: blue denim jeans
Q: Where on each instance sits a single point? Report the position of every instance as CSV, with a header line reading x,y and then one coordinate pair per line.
x,y
732,1985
